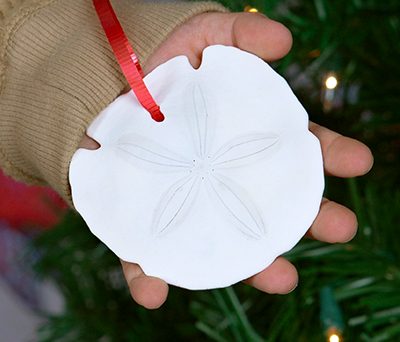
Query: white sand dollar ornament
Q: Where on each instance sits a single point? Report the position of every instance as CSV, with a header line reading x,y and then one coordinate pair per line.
x,y
231,179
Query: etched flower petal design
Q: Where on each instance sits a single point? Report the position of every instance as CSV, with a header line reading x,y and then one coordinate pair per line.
x,y
174,202
202,168
238,206
244,149
199,122
140,150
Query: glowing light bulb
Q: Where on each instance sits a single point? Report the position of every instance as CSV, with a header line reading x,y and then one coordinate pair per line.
x,y
334,338
334,335
250,9
331,83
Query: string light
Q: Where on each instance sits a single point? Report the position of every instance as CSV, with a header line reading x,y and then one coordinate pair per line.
x,y
330,92
334,338
331,82
334,335
250,9
331,315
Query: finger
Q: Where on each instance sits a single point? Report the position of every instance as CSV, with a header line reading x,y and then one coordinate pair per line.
x,y
255,33
280,277
252,32
88,143
149,292
343,156
334,223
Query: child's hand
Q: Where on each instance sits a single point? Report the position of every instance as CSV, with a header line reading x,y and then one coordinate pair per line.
x,y
343,157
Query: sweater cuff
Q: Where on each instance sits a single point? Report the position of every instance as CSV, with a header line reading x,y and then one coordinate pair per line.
x,y
58,72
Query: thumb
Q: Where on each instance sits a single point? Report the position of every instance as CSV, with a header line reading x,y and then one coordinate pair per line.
x,y
252,32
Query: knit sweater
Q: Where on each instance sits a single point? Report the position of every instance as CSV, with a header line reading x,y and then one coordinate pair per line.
x,y
57,72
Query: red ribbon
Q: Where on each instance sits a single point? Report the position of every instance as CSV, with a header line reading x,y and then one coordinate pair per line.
x,y
126,57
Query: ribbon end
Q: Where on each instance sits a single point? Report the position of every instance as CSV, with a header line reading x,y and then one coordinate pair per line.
x,y
157,115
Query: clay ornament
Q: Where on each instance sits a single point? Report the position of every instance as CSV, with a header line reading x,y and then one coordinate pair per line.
x,y
230,180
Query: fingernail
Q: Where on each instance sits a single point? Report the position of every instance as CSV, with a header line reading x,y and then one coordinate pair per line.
x,y
294,288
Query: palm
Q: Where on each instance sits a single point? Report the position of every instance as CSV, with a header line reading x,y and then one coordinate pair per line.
x,y
343,157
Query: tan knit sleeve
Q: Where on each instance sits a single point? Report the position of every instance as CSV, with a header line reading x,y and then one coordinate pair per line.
x,y
58,72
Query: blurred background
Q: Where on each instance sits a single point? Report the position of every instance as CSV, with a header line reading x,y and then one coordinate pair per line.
x,y
59,283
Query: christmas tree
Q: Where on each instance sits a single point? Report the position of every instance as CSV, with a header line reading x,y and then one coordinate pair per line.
x,y
344,69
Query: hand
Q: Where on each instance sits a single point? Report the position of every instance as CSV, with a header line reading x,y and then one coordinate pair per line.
x,y
343,157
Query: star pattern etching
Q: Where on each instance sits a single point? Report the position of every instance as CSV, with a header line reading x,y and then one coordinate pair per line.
x,y
203,169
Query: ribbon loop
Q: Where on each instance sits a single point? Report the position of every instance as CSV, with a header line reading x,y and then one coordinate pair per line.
x,y
126,57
